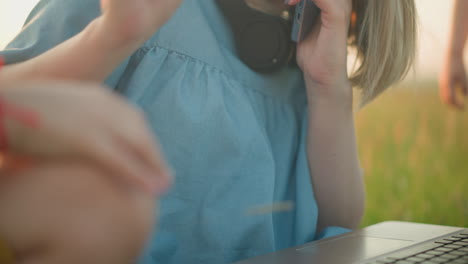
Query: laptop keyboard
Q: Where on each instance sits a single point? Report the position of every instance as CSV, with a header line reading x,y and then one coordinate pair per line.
x,y
452,249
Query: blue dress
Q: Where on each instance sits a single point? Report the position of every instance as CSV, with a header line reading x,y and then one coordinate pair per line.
x,y
235,138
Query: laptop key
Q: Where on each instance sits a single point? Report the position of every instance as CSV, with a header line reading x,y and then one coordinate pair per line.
x,y
443,249
458,261
439,260
415,259
454,246
458,253
453,239
385,261
443,242
414,250
449,256
433,252
424,256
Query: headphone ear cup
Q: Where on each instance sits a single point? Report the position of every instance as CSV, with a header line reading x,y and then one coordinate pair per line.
x,y
264,45
262,41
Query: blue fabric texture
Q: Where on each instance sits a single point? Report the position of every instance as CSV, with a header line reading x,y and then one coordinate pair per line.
x,y
235,138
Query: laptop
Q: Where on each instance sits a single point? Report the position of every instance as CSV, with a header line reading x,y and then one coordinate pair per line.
x,y
386,242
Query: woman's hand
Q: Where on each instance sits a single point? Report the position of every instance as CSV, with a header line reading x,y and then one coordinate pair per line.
x,y
85,122
136,20
322,56
331,142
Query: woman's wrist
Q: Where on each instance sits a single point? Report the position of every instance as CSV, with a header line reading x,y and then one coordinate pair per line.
x,y
338,95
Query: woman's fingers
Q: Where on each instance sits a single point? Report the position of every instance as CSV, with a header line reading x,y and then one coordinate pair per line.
x,y
292,2
333,12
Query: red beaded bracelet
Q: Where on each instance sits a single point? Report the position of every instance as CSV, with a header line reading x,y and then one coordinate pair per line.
x,y
3,137
24,116
3,141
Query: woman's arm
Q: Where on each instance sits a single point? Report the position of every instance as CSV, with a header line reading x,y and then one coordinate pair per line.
x,y
332,152
96,51
334,164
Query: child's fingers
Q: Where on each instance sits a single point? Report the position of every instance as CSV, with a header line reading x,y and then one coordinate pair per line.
x,y
14,163
456,93
459,91
136,136
121,162
449,94
464,85
150,154
6,253
159,172
146,152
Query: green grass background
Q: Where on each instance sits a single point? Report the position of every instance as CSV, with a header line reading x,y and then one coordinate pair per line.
x,y
414,152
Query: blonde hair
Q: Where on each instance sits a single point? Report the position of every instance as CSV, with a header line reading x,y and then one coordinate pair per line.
x,y
384,35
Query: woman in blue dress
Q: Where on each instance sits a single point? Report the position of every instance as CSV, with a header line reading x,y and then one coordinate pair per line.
x,y
236,138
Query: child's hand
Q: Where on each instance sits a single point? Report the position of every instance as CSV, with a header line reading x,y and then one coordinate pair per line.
x,y
137,20
453,83
322,56
82,122
73,212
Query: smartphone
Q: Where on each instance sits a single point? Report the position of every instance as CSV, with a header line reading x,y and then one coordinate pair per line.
x,y
305,17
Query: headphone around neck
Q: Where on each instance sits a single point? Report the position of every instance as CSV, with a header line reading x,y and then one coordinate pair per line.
x,y
262,41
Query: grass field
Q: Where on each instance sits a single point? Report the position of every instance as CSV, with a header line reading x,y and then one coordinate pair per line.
x,y
414,152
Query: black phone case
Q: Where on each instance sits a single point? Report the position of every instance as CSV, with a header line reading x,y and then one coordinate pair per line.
x,y
304,20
